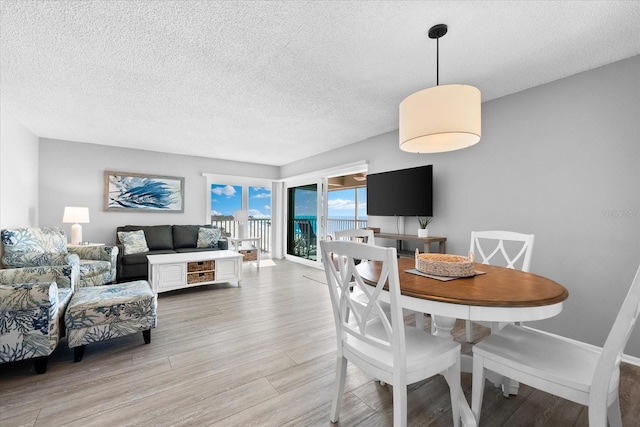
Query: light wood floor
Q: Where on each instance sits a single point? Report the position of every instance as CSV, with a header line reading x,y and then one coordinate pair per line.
x,y
262,355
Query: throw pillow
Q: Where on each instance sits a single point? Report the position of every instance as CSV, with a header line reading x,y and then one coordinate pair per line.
x,y
208,237
134,242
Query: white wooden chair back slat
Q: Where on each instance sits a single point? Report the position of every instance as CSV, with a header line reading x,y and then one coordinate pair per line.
x,y
480,240
356,235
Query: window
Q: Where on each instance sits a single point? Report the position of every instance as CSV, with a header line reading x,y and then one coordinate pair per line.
x,y
225,200
346,209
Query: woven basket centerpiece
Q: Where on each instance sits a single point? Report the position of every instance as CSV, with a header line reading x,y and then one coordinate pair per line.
x,y
444,265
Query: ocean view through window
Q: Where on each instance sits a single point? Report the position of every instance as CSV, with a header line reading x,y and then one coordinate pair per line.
x,y
226,199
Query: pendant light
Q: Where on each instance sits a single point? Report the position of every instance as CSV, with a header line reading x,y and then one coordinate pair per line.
x,y
441,118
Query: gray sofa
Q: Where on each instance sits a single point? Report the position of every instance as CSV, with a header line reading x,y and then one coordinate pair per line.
x,y
161,239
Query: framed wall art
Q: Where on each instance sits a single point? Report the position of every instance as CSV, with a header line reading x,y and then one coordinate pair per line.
x,y
135,192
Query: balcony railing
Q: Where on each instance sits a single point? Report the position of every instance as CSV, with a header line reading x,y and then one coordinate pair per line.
x,y
261,227
334,225
256,227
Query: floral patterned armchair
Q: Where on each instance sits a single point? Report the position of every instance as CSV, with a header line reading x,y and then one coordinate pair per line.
x,y
28,247
32,305
97,264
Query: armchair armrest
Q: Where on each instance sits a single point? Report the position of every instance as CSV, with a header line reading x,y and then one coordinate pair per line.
x,y
65,276
97,253
30,314
223,244
38,259
28,296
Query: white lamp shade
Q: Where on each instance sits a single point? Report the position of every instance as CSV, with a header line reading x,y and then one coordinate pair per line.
x,y
441,118
241,216
75,215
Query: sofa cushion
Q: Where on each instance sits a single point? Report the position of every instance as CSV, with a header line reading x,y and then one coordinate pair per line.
x,y
186,236
134,242
208,237
158,236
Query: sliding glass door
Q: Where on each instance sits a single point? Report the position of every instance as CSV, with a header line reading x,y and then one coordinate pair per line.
x,y
303,227
309,206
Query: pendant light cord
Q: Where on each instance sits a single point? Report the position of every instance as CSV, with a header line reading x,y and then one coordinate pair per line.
x,y
436,32
438,61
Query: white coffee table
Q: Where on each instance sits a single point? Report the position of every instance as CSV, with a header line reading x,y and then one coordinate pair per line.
x,y
168,272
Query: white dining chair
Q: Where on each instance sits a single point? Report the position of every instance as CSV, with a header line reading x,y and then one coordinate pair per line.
x,y
504,248
383,347
565,368
356,235
367,236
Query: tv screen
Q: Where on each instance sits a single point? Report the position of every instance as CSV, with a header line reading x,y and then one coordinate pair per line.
x,y
405,192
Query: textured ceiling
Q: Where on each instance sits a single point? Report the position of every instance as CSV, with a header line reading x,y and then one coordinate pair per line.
x,y
276,81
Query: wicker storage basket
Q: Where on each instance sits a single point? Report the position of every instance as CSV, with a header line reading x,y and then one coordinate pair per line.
x,y
199,266
249,254
206,276
444,265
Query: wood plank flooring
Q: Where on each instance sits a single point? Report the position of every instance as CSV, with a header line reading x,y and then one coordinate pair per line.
x,y
261,355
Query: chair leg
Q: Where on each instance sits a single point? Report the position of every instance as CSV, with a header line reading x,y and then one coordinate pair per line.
x,y
147,336
338,388
399,403
40,364
78,352
477,386
452,375
613,413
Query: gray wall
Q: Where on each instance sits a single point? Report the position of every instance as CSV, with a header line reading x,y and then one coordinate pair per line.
x,y
559,161
18,174
72,174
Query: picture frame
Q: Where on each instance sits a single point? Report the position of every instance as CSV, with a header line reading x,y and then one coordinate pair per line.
x,y
136,192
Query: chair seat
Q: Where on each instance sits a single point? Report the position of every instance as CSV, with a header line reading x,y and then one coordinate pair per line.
x,y
541,355
422,349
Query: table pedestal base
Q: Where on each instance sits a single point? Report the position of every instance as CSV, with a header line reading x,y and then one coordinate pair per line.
x,y
442,327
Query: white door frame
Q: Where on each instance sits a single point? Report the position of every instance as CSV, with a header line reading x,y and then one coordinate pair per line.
x,y
320,177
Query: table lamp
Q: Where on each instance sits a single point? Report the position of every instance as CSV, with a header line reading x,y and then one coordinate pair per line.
x,y
76,215
242,217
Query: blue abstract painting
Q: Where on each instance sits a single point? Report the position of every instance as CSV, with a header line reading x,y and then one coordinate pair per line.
x,y
130,191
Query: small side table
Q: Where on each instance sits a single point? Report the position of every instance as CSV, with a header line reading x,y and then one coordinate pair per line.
x,y
250,254
84,245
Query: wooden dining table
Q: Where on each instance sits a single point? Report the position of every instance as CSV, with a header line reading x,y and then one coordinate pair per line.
x,y
494,294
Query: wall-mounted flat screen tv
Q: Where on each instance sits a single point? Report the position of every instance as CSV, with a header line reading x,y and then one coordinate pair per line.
x,y
405,192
